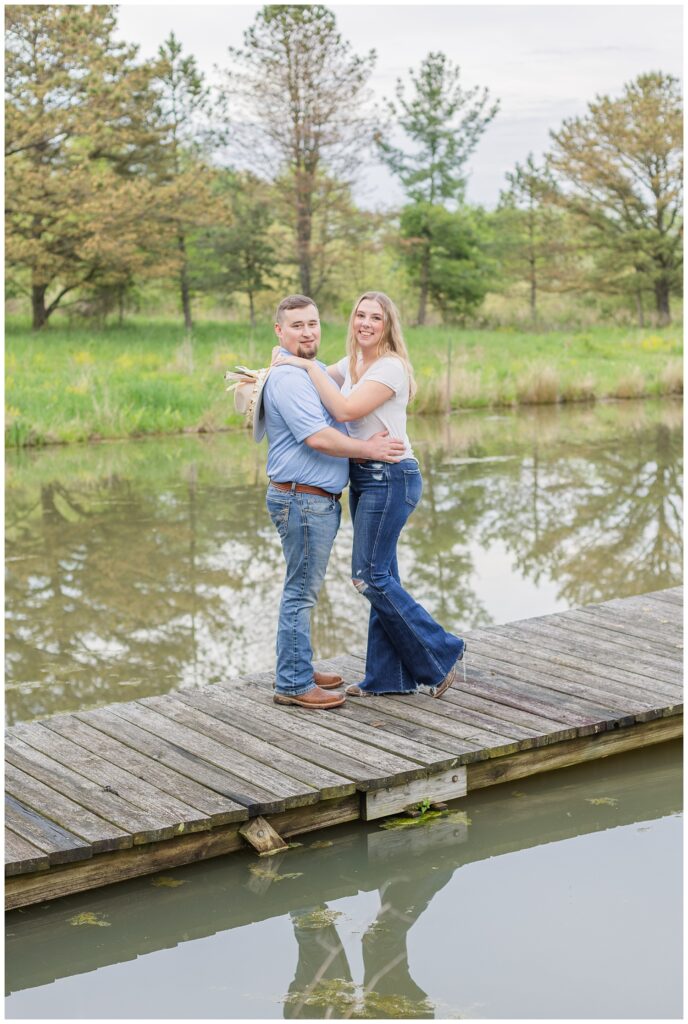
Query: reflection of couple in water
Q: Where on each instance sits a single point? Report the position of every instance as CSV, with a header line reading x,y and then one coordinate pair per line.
x,y
323,986
328,426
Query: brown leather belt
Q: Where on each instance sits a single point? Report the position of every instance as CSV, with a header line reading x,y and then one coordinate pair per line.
x,y
305,489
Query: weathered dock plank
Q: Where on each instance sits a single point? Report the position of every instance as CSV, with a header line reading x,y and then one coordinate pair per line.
x,y
101,834
261,785
563,684
381,767
464,732
117,792
21,856
209,807
230,706
207,777
667,595
416,751
143,827
586,630
60,845
599,656
563,755
628,631
112,778
199,712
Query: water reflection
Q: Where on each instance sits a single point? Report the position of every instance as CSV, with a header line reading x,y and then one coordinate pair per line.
x,y
136,568
479,874
323,984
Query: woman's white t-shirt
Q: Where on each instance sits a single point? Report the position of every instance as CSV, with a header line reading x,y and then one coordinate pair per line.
x,y
391,415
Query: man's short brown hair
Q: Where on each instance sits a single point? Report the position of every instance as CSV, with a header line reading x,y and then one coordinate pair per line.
x,y
293,302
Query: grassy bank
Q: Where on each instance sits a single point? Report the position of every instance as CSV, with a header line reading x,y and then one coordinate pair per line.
x,y
145,378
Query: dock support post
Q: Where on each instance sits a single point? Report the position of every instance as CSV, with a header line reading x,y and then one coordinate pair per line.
x,y
262,836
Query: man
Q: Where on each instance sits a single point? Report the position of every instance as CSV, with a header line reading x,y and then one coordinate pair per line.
x,y
308,467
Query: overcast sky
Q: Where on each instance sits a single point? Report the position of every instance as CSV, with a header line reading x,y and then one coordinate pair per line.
x,y
544,63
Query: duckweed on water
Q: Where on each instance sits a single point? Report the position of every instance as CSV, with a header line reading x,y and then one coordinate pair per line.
x,y
260,872
318,919
456,817
343,998
333,993
89,918
377,1005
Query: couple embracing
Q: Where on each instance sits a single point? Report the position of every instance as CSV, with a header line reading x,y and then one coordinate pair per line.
x,y
326,426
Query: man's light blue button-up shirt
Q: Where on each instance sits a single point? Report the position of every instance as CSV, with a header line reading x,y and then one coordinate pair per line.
x,y
293,411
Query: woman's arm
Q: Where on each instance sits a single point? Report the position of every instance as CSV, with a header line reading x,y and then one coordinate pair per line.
x,y
335,373
363,400
333,369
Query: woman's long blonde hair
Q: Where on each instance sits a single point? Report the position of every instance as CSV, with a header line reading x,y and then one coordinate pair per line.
x,y
392,340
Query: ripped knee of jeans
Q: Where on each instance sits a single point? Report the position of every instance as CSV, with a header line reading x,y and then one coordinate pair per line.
x,y
360,585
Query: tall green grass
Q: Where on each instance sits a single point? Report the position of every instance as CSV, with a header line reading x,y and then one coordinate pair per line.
x,y
146,377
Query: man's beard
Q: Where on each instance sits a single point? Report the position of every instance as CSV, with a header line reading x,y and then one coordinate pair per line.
x,y
307,353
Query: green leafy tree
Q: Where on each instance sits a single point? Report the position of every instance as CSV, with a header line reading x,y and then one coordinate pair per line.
x,y
443,123
620,170
240,251
450,250
295,98
78,132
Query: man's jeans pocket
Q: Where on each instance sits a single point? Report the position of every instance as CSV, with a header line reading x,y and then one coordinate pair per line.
x,y
319,505
278,511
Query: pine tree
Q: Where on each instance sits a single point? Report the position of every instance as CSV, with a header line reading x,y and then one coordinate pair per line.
x,y
183,108
533,242
443,124
294,95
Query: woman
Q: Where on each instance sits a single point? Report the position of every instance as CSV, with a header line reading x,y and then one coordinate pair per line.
x,y
406,647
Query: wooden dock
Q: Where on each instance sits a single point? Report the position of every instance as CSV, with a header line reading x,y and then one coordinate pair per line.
x,y
127,790
191,904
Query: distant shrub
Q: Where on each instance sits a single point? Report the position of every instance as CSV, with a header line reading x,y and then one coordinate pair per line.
x,y
671,378
631,385
583,390
539,385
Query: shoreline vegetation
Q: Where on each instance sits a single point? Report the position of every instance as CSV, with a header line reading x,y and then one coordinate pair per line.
x,y
147,378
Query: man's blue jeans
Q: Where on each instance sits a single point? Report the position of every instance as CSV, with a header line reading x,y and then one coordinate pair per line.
x,y
307,525
406,647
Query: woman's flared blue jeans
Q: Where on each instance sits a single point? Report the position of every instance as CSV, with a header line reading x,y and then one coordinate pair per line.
x,y
406,647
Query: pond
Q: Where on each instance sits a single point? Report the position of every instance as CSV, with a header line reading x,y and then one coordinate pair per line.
x,y
558,897
136,568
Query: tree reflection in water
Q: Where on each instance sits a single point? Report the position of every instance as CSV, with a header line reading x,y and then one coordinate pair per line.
x,y
137,568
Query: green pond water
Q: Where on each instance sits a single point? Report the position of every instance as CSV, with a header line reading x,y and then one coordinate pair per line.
x,y
557,897
136,568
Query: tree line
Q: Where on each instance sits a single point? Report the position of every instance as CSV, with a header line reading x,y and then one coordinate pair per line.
x,y
121,171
